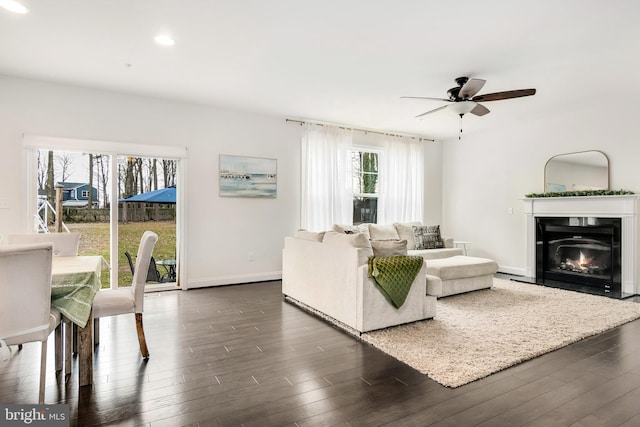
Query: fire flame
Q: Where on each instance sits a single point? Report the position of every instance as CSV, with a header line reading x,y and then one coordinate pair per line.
x,y
583,260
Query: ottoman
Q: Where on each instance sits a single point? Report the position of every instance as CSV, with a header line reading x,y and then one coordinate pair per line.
x,y
459,274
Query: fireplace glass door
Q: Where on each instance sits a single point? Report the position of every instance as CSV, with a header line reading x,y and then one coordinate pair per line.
x,y
580,252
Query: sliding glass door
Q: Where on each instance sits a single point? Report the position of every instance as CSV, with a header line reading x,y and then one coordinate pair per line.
x,y
147,201
110,199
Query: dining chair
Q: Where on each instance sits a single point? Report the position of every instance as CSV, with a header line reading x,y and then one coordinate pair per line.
x,y
153,274
130,261
64,244
25,300
130,299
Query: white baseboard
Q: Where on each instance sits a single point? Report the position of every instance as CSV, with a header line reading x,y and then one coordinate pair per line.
x,y
234,279
517,271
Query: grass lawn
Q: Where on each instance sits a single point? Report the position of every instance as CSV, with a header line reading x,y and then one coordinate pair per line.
x,y
94,240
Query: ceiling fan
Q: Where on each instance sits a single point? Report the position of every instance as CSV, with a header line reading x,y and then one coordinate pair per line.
x,y
463,99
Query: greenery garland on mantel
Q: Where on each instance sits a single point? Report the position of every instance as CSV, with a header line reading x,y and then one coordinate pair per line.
x,y
580,193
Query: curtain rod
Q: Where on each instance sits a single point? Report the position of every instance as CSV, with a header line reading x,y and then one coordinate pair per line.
x,y
302,122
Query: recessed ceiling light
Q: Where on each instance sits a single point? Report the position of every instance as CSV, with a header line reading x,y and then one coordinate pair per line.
x,y
165,40
13,6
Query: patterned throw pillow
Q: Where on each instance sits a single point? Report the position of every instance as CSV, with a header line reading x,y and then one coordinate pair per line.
x,y
427,237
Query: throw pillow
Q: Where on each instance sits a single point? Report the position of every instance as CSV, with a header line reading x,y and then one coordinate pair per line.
x,y
357,240
389,247
351,229
428,237
315,236
405,232
383,232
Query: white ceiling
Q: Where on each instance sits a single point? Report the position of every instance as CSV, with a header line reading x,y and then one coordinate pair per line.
x,y
344,61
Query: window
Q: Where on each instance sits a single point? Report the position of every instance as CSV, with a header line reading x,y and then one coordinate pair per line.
x,y
365,185
85,194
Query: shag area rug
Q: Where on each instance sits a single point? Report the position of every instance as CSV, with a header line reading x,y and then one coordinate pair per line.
x,y
479,333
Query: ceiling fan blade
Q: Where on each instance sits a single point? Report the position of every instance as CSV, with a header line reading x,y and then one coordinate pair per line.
x,y
431,111
480,110
470,88
425,97
504,95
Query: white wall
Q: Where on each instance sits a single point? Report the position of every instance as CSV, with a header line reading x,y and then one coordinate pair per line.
x,y
220,231
489,171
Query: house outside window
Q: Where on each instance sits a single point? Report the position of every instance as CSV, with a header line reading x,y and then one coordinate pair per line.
x,y
365,185
85,194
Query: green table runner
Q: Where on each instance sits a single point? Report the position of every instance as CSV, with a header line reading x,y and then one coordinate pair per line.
x,y
75,281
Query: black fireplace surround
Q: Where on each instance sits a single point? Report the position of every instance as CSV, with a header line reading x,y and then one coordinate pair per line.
x,y
579,253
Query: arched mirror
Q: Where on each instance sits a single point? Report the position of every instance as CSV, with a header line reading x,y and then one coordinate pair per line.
x,y
585,170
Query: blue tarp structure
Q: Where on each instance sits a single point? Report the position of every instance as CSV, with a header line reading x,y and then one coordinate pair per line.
x,y
164,195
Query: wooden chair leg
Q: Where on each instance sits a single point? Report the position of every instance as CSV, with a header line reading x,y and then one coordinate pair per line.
x,y
141,339
68,340
96,331
43,371
75,338
58,347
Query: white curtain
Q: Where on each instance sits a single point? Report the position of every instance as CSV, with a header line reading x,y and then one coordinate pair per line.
x,y
327,194
401,173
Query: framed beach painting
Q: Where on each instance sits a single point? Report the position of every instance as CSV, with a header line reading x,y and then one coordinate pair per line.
x,y
247,176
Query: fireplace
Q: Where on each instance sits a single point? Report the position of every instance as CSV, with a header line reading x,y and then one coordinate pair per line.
x,y
580,253
583,212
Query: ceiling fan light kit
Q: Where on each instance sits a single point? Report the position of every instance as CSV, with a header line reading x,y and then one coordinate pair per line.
x,y
463,107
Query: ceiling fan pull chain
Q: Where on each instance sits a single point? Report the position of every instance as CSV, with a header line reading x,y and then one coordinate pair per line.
x,y
460,134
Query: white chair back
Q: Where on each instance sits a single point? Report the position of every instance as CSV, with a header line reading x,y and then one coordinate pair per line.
x,y
64,244
25,291
145,250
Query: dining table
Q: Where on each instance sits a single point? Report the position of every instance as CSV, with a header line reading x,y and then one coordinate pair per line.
x,y
75,280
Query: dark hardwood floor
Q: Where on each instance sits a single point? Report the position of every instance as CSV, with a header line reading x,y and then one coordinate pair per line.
x,y
240,356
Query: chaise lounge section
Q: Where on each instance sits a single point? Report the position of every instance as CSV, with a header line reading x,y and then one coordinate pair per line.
x,y
459,274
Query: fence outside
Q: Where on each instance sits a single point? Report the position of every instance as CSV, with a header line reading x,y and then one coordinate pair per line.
x,y
134,212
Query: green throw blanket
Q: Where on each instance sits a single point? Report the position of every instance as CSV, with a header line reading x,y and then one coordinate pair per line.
x,y
393,276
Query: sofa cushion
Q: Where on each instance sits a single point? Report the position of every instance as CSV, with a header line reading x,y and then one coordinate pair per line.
x,y
389,247
427,237
314,236
357,240
405,232
458,267
350,229
428,254
383,232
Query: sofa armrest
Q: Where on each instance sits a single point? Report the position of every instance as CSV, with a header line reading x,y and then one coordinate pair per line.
x,y
375,312
448,242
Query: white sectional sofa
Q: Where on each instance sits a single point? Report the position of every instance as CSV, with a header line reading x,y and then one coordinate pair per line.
x,y
331,278
327,273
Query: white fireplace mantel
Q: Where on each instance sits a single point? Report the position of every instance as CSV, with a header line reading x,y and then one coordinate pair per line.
x,y
627,208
